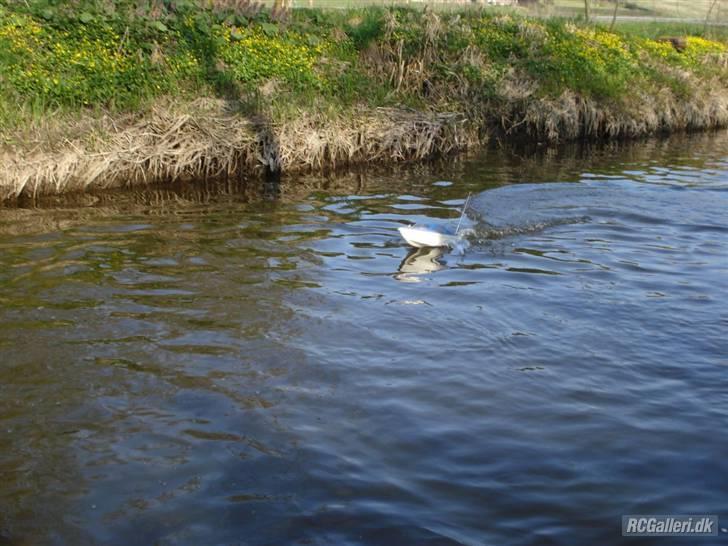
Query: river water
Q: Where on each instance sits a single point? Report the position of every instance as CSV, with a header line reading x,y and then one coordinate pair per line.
x,y
272,365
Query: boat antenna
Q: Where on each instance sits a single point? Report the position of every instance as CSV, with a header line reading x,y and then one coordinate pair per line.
x,y
462,214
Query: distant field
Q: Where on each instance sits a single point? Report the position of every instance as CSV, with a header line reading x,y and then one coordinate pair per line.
x,y
652,29
649,18
679,9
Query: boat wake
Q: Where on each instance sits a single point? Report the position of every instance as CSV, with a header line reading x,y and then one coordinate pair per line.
x,y
484,232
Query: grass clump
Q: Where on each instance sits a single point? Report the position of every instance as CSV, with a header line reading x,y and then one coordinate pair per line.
x,y
253,56
84,62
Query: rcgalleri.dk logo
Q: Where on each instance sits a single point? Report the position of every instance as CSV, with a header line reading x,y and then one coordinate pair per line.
x,y
669,526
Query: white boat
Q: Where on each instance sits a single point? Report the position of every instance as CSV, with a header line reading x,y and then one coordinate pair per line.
x,y
432,235
426,235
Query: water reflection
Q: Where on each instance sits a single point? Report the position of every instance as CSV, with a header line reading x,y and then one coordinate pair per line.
x,y
420,261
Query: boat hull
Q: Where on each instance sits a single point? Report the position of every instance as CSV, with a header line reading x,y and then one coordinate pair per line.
x,y
422,238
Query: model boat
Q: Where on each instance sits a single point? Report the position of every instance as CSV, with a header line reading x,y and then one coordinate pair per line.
x,y
433,235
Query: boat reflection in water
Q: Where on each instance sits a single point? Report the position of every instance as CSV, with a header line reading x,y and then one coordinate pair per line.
x,y
420,261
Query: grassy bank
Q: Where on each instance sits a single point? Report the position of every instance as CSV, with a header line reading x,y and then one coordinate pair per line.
x,y
98,95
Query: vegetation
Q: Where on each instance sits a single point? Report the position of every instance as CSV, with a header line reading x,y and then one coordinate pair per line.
x,y
452,78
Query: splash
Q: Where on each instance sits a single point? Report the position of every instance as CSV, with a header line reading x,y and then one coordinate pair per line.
x,y
462,244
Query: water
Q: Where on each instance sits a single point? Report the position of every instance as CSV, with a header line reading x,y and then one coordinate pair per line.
x,y
274,367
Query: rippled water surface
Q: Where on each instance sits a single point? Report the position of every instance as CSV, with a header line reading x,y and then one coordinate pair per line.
x,y
276,367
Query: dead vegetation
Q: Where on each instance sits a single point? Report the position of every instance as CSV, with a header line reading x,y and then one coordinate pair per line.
x,y
571,116
209,139
166,145
384,134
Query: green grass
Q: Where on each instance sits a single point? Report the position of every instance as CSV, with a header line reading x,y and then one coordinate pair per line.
x,y
55,57
652,29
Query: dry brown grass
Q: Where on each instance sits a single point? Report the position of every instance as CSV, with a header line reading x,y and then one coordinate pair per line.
x,y
208,138
384,134
168,144
570,116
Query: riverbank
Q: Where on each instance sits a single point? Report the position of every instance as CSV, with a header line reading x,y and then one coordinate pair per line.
x,y
93,99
